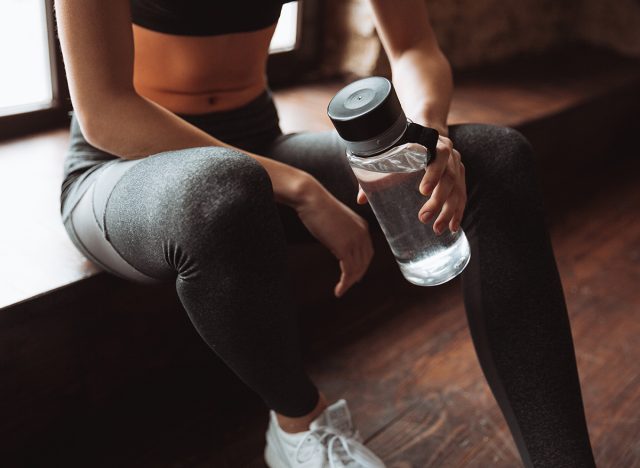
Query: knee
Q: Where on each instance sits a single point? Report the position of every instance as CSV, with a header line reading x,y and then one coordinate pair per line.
x,y
500,158
514,153
511,154
220,189
514,165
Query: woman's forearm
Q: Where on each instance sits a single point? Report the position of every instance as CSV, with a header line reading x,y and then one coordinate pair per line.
x,y
423,80
132,127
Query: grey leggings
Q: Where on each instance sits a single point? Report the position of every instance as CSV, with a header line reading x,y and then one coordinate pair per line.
x,y
206,219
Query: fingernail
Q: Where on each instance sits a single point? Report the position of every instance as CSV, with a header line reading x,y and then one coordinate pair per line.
x,y
437,230
425,216
424,189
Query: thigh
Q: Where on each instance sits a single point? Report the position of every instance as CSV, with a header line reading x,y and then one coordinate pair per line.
x,y
321,154
178,213
86,228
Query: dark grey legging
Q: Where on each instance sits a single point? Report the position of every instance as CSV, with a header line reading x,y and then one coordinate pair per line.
x,y
206,219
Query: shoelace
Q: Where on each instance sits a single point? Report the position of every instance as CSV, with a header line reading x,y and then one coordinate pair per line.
x,y
330,437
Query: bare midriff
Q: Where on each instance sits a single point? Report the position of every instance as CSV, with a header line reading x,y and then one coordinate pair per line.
x,y
200,74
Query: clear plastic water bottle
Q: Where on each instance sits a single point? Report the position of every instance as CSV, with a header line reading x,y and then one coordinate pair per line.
x,y
388,155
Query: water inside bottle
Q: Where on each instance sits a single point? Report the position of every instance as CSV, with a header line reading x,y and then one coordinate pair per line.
x,y
391,182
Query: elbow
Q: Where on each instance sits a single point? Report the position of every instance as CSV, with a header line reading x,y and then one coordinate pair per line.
x,y
101,121
102,130
90,127
103,133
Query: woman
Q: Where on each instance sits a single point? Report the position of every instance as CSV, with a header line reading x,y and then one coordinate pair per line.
x,y
178,170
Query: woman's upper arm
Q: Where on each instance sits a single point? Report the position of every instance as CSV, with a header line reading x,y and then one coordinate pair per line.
x,y
401,24
97,47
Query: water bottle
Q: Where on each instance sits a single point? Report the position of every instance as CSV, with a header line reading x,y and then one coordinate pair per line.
x,y
388,154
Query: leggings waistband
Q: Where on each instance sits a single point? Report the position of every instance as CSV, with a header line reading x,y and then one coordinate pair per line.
x,y
248,127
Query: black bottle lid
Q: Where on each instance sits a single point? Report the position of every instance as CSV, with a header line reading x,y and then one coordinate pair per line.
x,y
365,109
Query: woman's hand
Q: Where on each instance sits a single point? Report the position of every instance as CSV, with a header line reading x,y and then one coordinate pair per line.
x,y
444,180
341,230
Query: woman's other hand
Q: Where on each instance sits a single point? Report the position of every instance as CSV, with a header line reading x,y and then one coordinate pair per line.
x,y
341,230
444,180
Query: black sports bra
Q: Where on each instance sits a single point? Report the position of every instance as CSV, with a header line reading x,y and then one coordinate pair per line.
x,y
205,17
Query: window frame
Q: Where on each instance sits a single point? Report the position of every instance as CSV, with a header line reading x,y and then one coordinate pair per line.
x,y
33,118
283,69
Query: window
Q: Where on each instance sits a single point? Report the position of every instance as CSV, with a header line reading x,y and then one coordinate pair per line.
x,y
285,36
33,93
33,89
25,81
295,46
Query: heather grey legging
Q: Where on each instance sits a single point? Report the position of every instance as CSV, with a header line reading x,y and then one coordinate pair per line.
x,y
206,219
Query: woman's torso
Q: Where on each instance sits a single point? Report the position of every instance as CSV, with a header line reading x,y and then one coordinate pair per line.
x,y
200,74
199,56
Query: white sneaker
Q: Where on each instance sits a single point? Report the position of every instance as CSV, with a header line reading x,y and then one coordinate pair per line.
x,y
331,442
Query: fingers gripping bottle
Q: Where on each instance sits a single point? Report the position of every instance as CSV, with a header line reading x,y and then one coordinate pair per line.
x,y
388,154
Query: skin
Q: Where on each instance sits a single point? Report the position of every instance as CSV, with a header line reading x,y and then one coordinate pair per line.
x,y
125,99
